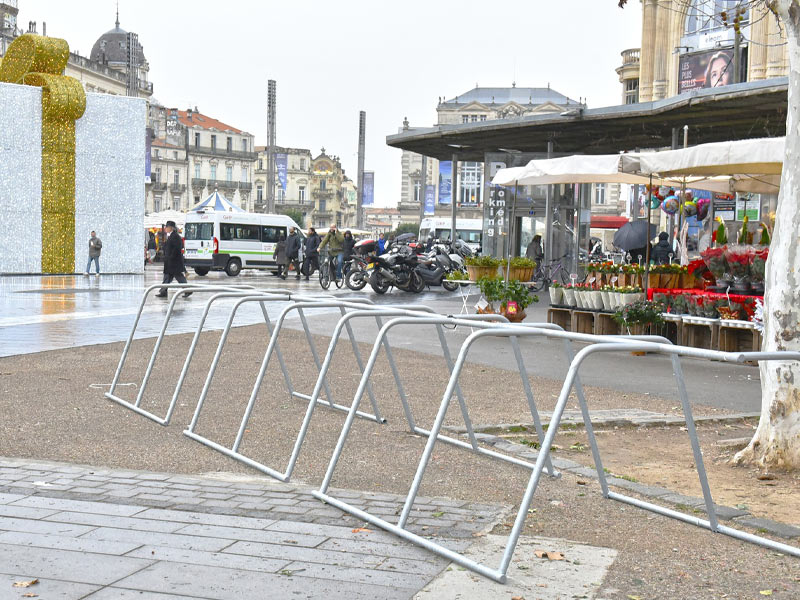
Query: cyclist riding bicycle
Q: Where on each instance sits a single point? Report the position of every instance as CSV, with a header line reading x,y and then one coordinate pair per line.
x,y
334,240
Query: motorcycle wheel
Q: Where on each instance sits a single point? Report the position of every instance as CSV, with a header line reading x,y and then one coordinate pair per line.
x,y
450,286
378,283
356,279
416,284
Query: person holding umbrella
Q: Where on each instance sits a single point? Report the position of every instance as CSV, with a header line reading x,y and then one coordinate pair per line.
x,y
634,238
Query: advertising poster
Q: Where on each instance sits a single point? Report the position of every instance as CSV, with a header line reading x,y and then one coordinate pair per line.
x,y
724,206
713,68
368,197
445,181
430,199
750,206
281,162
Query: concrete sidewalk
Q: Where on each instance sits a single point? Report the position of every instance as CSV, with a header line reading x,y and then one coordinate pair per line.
x,y
101,533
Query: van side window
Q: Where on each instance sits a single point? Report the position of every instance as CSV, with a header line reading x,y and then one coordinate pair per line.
x,y
271,233
232,231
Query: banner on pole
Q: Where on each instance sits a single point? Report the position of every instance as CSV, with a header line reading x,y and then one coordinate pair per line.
x,y
445,181
368,195
430,199
281,166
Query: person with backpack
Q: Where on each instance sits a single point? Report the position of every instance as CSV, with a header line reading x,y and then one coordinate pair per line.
x,y
311,252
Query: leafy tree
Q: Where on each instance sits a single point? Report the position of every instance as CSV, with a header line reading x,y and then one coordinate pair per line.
x,y
295,214
776,442
406,228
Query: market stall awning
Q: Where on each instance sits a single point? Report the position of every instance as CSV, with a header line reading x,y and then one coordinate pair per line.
x,y
158,219
579,168
763,156
607,222
217,202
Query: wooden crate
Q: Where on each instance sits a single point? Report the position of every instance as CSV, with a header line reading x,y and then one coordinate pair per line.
x,y
561,317
604,324
583,321
699,332
738,336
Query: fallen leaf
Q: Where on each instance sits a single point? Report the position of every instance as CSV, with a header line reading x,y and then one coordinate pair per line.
x,y
766,592
549,555
26,583
437,514
30,595
362,530
479,534
517,598
631,597
581,482
765,477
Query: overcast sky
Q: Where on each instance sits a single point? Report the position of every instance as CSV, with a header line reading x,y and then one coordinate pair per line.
x,y
332,59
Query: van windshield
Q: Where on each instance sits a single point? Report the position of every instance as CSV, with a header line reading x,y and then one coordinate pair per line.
x,y
199,231
470,236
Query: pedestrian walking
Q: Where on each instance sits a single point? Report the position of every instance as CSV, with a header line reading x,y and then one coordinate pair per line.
x,y
311,252
280,256
151,246
95,247
174,266
349,244
534,251
335,242
293,244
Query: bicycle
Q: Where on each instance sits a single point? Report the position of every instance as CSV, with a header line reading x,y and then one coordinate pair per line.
x,y
326,267
552,272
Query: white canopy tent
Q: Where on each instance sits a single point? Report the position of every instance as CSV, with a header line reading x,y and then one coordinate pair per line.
x,y
579,168
160,218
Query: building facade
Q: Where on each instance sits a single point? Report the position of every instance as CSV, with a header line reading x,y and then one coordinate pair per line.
x,y
690,44
476,105
292,193
168,188
329,193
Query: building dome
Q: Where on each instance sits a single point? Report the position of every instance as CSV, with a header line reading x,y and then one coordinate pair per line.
x,y
111,48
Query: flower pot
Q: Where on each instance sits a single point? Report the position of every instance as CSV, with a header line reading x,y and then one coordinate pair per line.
x,y
579,298
476,273
515,317
597,297
628,298
556,295
569,297
607,302
520,273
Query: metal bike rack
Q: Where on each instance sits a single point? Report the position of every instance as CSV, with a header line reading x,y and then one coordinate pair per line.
x,y
511,331
184,288
233,452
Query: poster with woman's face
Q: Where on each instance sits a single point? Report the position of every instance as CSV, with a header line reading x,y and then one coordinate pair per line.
x,y
710,69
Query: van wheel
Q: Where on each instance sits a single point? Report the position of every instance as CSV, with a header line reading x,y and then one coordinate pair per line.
x,y
234,267
202,271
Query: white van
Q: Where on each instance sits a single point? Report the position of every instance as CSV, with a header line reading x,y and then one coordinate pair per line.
x,y
467,230
216,241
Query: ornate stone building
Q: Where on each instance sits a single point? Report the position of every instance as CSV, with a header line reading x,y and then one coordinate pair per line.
x,y
297,194
689,44
478,104
330,189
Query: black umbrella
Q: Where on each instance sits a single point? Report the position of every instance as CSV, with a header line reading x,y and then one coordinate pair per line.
x,y
634,235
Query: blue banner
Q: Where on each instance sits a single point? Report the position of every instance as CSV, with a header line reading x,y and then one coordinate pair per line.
x,y
430,199
368,195
281,161
445,182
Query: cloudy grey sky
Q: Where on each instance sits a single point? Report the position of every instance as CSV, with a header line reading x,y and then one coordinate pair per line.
x,y
332,59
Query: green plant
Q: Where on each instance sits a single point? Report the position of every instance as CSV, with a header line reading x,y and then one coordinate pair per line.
x,y
556,285
519,262
295,215
642,312
457,276
405,228
482,261
499,290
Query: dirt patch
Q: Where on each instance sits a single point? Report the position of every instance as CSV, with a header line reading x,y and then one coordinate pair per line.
x,y
663,456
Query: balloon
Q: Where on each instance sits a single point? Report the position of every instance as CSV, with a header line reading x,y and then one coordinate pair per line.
x,y
703,206
670,205
654,201
690,208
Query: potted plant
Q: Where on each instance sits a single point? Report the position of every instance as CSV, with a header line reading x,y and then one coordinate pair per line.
x,y
519,268
679,305
758,268
556,293
739,259
569,295
636,318
507,298
479,267
605,294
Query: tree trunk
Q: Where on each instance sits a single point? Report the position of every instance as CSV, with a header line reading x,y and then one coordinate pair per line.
x,y
776,442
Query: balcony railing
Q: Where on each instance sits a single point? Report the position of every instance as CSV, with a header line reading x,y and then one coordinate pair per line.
x,y
223,152
177,187
630,56
159,186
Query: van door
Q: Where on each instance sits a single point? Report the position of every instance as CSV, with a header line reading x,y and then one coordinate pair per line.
x,y
270,234
199,242
242,241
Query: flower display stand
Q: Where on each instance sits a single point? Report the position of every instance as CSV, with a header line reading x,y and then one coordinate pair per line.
x,y
700,332
560,316
673,328
604,324
738,336
583,321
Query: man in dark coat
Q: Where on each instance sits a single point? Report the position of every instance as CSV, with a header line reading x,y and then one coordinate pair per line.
x,y
173,259
662,250
293,251
311,247
280,256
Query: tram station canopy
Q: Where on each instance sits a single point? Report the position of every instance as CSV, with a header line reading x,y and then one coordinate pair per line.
x,y
739,111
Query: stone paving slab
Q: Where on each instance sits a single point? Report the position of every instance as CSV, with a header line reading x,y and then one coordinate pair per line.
x,y
84,540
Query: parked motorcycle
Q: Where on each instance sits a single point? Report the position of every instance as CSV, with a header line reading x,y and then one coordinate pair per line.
x,y
396,268
443,258
355,270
